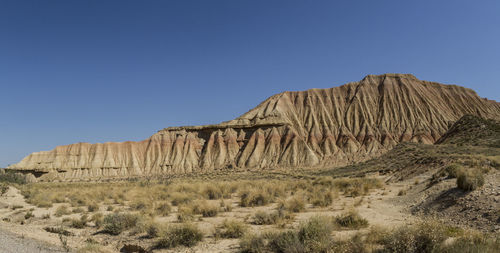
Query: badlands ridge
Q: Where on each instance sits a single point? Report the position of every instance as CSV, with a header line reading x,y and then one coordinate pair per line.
x,y
306,129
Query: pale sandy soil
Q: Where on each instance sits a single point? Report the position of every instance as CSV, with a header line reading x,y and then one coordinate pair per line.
x,y
378,207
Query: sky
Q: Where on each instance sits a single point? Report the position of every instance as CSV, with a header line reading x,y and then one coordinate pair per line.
x,y
102,70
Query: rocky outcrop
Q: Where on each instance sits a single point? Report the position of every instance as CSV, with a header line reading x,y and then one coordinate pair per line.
x,y
305,129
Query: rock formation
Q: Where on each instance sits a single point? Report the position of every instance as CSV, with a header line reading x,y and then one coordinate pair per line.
x,y
304,129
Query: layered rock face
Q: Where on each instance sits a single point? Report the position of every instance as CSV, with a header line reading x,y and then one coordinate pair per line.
x,y
305,129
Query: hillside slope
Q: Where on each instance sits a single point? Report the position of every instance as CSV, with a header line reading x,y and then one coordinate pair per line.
x,y
313,128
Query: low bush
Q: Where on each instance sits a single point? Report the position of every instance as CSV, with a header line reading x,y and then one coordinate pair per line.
x,y
323,199
294,204
116,223
231,229
58,230
28,215
179,198
255,198
187,235
93,207
469,180
453,170
205,208
279,217
351,220
3,189
162,209
98,219
185,214
312,236
212,192
252,243
79,223
265,218
475,242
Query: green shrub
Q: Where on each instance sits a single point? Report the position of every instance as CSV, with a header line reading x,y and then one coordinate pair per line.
x,y
3,189
351,220
187,235
12,177
469,180
116,223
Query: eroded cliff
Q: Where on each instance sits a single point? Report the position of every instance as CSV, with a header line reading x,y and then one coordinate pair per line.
x,y
313,128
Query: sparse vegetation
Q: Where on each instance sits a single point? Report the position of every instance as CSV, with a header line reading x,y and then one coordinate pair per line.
x,y
311,236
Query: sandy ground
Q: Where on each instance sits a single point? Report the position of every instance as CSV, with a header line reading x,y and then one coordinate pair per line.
x,y
377,207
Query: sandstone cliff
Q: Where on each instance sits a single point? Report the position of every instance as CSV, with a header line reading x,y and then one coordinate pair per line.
x,y
313,128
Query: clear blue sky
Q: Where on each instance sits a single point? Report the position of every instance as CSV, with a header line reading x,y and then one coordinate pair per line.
x,y
96,71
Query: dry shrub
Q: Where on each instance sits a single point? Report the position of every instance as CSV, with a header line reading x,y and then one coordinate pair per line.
x,y
323,198
266,218
473,242
470,180
204,208
93,207
62,210
211,191
79,223
312,236
255,198
187,235
425,237
116,223
453,170
357,186
98,219
252,243
185,214
225,206
231,229
162,208
351,220
294,204
178,198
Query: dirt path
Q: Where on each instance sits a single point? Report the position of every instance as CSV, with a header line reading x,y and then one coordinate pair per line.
x,y
10,242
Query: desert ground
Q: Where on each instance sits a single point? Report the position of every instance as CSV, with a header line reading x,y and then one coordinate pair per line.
x,y
243,212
